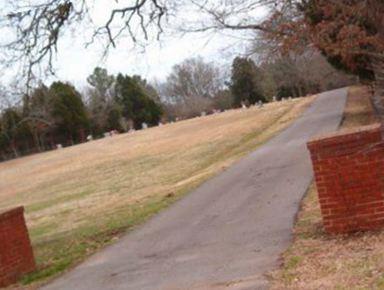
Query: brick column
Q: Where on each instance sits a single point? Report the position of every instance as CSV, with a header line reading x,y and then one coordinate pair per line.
x,y
16,256
349,174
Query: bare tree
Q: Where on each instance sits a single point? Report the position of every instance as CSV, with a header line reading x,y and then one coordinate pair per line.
x,y
307,72
194,78
35,27
193,85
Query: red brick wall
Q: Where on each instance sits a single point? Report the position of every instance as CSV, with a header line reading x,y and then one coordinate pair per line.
x,y
349,174
16,256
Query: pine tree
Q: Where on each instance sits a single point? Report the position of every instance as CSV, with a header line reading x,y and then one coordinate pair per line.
x,y
136,104
69,111
245,86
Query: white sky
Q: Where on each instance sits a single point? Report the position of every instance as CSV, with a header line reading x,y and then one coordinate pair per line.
x,y
74,62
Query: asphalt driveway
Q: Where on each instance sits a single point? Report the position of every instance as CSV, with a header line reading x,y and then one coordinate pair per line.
x,y
226,234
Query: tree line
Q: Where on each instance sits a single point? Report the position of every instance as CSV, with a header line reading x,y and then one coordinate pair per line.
x,y
60,114
294,40
349,33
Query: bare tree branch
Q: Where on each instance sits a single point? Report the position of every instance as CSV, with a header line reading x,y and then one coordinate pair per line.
x,y
37,28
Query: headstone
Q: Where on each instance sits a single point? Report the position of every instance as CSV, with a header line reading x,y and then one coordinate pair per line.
x,y
89,138
107,134
144,126
243,105
260,103
274,98
203,114
160,124
59,146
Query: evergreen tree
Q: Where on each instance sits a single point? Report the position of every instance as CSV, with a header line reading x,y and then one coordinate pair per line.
x,y
101,81
70,115
14,132
245,86
149,90
114,117
136,104
100,102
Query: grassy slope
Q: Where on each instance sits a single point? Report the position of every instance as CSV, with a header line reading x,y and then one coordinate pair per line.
x,y
318,261
81,198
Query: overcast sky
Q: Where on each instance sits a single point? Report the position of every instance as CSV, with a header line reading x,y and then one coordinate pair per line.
x,y
74,62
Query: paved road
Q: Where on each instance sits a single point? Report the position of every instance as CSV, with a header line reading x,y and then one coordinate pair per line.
x,y
227,233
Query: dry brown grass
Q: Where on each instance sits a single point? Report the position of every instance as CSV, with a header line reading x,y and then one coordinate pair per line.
x,y
78,199
318,261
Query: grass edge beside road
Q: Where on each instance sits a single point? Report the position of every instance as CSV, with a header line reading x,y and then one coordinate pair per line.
x,y
318,261
86,241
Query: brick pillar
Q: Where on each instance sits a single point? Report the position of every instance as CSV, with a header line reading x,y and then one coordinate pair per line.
x,y
349,174
16,256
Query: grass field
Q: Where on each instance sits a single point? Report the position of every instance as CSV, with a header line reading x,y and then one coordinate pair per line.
x,y
81,198
319,261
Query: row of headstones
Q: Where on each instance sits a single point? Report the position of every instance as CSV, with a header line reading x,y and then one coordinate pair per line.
x,y
113,133
274,99
90,137
144,125
213,112
259,104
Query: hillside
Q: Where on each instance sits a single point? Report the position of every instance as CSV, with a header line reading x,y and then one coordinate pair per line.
x,y
80,198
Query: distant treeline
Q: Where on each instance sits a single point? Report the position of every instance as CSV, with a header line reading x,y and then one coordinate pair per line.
x,y
60,114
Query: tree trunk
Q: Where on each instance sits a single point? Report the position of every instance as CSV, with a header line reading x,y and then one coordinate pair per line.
x,y
14,149
36,140
301,93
